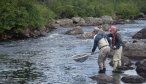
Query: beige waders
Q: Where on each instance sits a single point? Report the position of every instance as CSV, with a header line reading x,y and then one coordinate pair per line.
x,y
117,58
103,53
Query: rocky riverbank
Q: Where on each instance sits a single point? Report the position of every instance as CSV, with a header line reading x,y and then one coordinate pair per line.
x,y
75,21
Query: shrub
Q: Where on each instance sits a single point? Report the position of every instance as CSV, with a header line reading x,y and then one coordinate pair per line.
x,y
126,10
21,14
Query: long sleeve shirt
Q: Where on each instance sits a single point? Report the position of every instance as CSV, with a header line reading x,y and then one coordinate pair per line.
x,y
97,38
118,40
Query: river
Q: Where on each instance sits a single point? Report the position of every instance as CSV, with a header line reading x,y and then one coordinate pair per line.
x,y
48,60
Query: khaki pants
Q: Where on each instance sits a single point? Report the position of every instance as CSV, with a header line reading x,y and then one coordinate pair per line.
x,y
117,58
103,53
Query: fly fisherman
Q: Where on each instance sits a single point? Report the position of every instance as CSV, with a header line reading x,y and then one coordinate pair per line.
x,y
102,42
116,47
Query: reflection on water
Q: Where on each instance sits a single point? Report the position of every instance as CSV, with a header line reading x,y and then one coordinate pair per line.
x,y
116,78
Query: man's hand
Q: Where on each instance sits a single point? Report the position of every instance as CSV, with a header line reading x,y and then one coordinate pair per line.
x,y
114,47
92,53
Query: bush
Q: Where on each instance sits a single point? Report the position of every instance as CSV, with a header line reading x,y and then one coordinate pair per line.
x,y
66,11
22,14
126,10
104,10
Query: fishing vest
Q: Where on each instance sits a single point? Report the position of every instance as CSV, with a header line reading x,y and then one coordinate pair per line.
x,y
102,43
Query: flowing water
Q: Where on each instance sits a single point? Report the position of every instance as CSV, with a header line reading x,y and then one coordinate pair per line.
x,y
48,60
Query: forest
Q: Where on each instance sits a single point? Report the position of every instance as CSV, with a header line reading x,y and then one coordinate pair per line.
x,y
19,15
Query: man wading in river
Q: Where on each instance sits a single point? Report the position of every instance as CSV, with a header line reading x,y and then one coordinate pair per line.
x,y
116,47
102,42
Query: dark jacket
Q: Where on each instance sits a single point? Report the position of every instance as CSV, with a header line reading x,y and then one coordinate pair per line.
x,y
118,40
97,38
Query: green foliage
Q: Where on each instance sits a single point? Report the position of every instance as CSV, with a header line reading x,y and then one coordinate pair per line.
x,y
66,11
127,10
10,14
141,5
45,14
103,10
21,14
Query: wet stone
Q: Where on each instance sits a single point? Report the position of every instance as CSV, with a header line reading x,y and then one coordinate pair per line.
x,y
141,68
102,78
133,79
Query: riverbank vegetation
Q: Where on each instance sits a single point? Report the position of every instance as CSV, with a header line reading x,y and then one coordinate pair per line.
x,y
17,16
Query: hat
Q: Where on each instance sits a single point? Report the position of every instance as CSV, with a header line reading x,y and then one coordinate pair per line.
x,y
97,29
112,29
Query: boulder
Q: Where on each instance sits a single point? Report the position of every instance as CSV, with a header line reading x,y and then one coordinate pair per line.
x,y
133,79
103,78
105,27
135,50
64,22
141,68
93,21
78,21
75,31
89,35
126,63
107,19
140,34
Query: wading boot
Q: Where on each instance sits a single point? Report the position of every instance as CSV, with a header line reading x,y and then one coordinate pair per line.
x,y
117,71
104,69
101,71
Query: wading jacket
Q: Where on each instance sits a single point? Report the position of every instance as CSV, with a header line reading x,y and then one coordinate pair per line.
x,y
101,40
118,40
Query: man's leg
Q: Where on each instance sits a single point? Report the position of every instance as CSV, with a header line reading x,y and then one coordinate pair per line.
x,y
119,54
101,58
115,64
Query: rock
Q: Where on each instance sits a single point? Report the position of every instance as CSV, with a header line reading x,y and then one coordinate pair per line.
x,y
75,31
65,22
78,21
126,63
141,68
88,35
98,21
133,79
105,27
141,16
102,78
140,34
52,24
107,19
135,50
93,21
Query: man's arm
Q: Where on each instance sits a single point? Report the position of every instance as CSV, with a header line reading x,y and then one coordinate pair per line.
x,y
108,36
94,46
96,40
120,42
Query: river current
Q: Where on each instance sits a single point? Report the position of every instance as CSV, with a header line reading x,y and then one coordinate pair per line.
x,y
48,60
